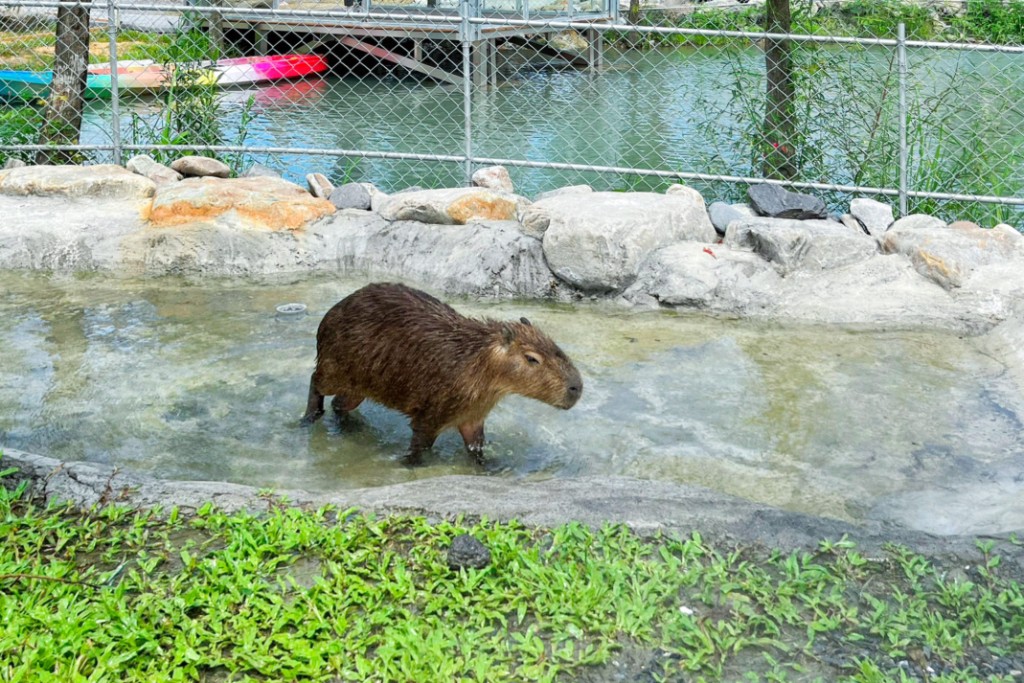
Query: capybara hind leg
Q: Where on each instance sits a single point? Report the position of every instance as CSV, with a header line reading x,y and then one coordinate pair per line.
x,y
314,404
422,440
344,404
473,436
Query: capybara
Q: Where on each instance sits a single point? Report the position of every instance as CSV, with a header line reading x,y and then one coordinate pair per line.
x,y
406,350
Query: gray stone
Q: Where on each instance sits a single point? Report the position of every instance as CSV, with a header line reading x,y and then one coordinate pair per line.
x,y
949,254
801,244
876,216
569,189
14,163
494,178
260,171
104,181
492,259
884,290
67,235
598,245
466,552
721,214
145,165
195,166
711,277
319,186
776,201
1011,232
454,206
917,221
351,196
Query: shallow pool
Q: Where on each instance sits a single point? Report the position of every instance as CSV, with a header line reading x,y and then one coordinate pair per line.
x,y
208,381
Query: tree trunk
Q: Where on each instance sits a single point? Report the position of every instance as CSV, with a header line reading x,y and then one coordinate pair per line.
x,y
780,111
633,17
63,120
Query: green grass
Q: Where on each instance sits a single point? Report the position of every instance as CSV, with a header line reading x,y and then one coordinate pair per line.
x,y
336,595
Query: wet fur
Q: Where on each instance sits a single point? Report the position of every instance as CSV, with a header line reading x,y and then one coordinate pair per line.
x,y
407,350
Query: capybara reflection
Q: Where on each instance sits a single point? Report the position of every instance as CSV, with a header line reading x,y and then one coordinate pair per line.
x,y
406,350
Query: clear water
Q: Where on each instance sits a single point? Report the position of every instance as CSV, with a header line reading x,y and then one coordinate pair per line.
x,y
207,381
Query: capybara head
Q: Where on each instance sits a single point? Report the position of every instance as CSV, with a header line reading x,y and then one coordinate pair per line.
x,y
532,365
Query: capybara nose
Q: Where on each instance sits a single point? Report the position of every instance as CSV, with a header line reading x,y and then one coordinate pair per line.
x,y
572,394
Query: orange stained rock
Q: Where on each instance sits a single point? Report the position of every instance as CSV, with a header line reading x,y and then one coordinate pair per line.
x,y
266,203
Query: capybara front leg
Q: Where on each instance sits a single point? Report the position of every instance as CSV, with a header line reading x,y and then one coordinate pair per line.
x,y
422,440
314,404
473,436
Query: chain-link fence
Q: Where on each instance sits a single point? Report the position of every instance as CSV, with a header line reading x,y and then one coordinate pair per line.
x,y
919,105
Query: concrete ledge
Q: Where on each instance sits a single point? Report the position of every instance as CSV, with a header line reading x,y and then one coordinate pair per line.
x,y
647,507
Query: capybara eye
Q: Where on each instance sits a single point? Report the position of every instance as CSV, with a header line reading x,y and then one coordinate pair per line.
x,y
532,359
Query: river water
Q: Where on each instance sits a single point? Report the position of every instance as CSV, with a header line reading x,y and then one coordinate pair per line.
x,y
672,110
207,381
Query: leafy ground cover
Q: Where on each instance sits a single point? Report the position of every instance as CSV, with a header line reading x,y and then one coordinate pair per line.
x,y
336,595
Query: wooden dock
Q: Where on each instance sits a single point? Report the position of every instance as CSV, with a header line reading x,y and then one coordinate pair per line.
x,y
399,34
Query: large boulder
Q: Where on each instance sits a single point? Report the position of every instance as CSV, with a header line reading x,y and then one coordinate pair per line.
x,y
712,277
491,258
103,181
801,244
454,206
247,203
598,244
883,290
950,254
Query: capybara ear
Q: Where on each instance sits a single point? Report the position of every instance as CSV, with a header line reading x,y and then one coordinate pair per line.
x,y
525,321
508,335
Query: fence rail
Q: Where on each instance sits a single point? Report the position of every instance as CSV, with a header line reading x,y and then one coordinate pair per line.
x,y
419,96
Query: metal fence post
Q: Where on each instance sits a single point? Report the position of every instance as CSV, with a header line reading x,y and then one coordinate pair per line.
x,y
115,104
901,56
467,88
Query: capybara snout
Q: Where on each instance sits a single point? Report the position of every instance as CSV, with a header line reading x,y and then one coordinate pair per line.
x,y
406,350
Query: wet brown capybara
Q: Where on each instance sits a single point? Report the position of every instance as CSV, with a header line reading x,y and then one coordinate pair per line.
x,y
406,350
